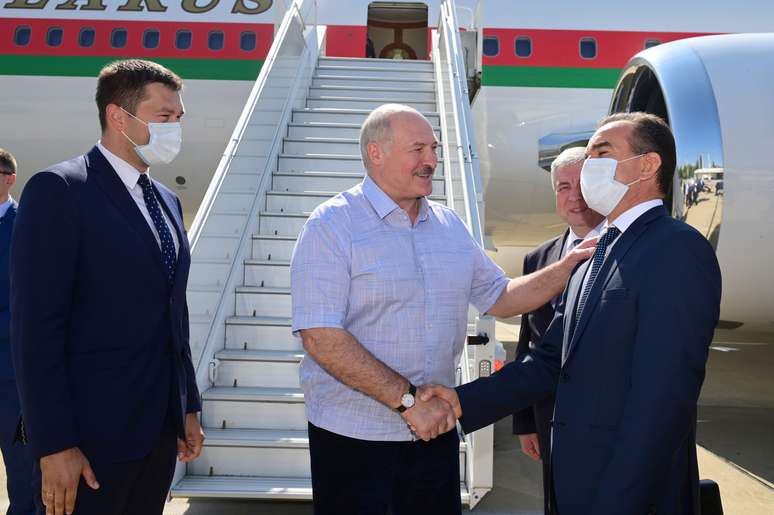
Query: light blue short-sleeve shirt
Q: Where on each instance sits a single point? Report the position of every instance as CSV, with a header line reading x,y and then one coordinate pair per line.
x,y
401,290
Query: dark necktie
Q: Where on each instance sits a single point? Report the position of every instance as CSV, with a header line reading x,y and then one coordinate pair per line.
x,y
168,255
596,263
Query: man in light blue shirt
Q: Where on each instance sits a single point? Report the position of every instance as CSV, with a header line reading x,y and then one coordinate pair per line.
x,y
381,280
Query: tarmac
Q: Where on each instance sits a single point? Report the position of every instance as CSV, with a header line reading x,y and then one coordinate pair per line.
x,y
735,435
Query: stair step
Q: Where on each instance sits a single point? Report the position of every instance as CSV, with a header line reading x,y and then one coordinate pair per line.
x,y
268,356
278,223
321,80
273,273
258,368
368,62
261,333
331,181
250,453
320,162
343,115
253,408
265,301
355,102
296,489
406,93
337,130
273,246
326,145
268,488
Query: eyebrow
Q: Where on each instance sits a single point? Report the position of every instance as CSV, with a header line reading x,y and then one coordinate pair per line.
x,y
600,145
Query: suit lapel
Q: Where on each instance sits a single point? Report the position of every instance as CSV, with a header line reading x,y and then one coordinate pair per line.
x,y
110,183
573,294
7,223
609,266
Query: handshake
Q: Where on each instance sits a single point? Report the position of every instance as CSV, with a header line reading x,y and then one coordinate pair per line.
x,y
435,411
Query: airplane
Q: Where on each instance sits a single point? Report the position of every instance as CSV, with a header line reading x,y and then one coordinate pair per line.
x,y
541,74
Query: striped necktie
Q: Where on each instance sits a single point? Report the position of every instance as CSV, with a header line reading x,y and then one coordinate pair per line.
x,y
596,263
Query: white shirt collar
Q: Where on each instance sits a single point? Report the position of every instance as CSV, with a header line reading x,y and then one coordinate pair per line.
x,y
627,218
128,173
5,205
571,237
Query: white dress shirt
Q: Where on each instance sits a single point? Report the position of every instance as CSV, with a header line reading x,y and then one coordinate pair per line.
x,y
568,242
129,176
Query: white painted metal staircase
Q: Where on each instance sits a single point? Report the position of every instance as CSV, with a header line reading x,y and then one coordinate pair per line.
x,y
295,147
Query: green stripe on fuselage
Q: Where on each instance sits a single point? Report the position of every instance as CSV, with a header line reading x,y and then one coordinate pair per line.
x,y
82,66
550,77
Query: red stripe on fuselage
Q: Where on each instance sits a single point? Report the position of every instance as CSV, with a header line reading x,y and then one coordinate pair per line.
x,y
264,33
561,48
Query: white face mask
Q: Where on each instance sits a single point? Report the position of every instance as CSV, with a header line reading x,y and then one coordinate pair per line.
x,y
600,189
164,143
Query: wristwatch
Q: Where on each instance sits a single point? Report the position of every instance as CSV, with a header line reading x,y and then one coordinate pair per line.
x,y
407,399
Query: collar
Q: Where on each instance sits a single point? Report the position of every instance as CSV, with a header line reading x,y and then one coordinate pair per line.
x,y
5,205
627,218
128,173
571,236
383,204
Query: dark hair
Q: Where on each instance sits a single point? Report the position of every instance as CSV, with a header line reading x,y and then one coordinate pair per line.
x,y
123,83
7,162
651,134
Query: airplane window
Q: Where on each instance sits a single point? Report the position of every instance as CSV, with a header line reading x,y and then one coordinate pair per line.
x,y
150,38
649,43
523,46
183,39
22,35
54,36
588,48
215,40
86,37
118,38
247,41
491,46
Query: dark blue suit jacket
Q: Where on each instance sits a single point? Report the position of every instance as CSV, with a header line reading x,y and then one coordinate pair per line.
x,y
99,337
9,402
630,371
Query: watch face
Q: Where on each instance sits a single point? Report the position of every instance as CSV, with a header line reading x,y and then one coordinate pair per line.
x,y
407,400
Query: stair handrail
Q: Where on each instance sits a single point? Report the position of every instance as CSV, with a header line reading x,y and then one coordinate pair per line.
x,y
203,355
231,147
477,360
462,116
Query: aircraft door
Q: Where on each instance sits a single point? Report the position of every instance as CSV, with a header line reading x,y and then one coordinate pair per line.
x,y
398,30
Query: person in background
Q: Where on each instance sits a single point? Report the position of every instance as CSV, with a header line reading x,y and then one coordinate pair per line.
x,y
17,459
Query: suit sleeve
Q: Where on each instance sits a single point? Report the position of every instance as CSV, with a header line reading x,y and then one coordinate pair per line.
x,y
524,419
517,385
44,252
193,399
678,309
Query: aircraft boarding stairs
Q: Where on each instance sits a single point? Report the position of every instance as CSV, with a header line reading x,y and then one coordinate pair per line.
x,y
295,147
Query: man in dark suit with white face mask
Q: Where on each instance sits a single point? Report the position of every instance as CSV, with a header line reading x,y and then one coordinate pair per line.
x,y
628,344
99,264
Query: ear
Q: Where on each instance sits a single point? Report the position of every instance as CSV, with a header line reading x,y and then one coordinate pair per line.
x,y
652,163
116,117
375,153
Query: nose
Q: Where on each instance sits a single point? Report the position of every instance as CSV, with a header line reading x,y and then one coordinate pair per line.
x,y
430,157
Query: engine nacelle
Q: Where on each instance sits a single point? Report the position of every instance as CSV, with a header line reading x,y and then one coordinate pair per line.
x,y
715,93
